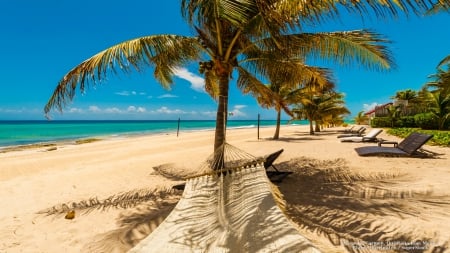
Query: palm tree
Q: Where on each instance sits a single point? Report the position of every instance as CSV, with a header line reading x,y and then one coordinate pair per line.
x,y
319,105
280,93
238,35
330,105
361,118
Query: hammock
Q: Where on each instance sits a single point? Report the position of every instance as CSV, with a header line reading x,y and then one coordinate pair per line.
x,y
230,210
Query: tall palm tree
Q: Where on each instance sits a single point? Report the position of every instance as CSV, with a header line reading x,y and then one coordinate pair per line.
x,y
237,35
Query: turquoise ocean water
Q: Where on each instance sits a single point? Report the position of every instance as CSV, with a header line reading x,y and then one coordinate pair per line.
x,y
29,132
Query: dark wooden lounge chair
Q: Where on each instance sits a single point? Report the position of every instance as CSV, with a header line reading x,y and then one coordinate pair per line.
x,y
408,147
273,173
359,132
347,130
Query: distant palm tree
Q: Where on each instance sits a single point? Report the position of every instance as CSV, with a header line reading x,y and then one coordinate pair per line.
x,y
280,93
435,94
437,103
407,95
319,105
331,106
239,35
361,118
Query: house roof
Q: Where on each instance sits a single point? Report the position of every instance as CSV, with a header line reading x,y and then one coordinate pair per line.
x,y
377,106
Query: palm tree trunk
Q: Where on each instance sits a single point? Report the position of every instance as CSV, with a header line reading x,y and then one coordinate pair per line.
x,y
317,126
221,119
311,128
276,136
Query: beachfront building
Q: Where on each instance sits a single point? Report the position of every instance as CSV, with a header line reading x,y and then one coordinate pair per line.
x,y
378,111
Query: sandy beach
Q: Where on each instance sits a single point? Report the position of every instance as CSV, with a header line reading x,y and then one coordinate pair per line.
x,y
334,196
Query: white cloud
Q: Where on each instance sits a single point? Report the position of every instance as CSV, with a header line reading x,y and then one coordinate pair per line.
x,y
141,109
166,110
239,106
236,111
368,107
112,110
130,93
123,93
168,96
132,108
75,110
197,82
94,108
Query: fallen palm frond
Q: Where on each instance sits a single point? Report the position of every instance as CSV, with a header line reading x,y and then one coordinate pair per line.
x,y
124,200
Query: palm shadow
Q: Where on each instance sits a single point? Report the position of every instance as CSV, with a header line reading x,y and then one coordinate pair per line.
x,y
363,213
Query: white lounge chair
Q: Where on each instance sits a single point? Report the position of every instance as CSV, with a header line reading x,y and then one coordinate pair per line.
x,y
371,136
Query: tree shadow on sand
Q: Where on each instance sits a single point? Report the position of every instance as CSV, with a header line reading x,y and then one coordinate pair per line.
x,y
361,213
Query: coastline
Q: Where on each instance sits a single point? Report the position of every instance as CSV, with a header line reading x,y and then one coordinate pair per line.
x,y
33,180
41,132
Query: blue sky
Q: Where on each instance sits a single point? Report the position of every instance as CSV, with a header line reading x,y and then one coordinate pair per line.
x,y
42,40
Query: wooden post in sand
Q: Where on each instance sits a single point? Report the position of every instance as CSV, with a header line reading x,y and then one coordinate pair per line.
x,y
178,128
258,125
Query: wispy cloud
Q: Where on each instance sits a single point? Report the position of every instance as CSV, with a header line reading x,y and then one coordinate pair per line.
x,y
136,109
237,111
168,96
368,107
75,110
130,93
197,82
94,108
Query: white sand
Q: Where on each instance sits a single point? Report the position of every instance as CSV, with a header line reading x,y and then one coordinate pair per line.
x,y
415,204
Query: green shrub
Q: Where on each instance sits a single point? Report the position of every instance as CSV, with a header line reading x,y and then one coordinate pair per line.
x,y
406,121
381,122
441,138
426,121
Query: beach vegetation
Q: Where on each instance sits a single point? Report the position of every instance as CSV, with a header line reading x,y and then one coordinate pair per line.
x,y
440,138
87,140
320,106
429,107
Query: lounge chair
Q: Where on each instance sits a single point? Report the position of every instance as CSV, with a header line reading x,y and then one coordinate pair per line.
x,y
348,130
359,132
275,175
371,136
408,147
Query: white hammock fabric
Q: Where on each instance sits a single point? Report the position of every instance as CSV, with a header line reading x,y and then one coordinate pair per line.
x,y
226,212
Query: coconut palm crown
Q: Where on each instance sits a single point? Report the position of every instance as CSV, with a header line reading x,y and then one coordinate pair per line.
x,y
243,36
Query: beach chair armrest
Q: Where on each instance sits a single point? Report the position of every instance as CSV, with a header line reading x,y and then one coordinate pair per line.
x,y
369,139
387,142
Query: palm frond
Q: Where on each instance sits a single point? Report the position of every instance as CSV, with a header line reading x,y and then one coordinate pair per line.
x,y
360,46
123,201
444,62
249,84
164,52
317,10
